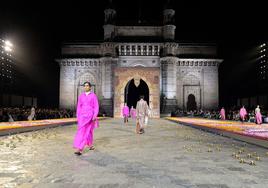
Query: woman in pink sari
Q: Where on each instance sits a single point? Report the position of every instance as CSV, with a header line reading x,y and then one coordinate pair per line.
x,y
125,113
222,113
258,116
87,112
133,112
243,114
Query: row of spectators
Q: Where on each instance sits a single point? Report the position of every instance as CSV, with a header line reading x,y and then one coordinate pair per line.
x,y
30,113
231,114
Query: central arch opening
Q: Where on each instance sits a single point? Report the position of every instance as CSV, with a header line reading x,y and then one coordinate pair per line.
x,y
133,93
191,103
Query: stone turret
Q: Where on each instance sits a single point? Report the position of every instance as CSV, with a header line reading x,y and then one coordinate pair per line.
x,y
168,22
109,22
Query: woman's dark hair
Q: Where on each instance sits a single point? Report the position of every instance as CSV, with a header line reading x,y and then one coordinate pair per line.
x,y
142,97
87,83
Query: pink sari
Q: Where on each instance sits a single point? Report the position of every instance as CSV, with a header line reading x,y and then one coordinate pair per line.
x,y
125,111
87,110
133,113
258,118
243,113
222,114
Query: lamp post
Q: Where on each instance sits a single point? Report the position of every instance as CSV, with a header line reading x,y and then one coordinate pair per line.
x,y
263,62
6,69
263,73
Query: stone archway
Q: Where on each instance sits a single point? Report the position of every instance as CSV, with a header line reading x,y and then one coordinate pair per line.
x,y
195,90
191,103
149,75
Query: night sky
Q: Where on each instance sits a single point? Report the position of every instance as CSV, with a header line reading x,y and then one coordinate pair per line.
x,y
37,29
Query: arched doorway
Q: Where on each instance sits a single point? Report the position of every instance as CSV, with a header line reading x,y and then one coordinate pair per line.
x,y
82,79
191,103
133,93
123,77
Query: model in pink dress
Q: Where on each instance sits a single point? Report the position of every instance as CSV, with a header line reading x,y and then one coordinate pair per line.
x,y
133,112
125,113
87,112
222,113
243,113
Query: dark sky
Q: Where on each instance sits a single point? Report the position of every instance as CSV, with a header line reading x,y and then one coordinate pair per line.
x,y
38,28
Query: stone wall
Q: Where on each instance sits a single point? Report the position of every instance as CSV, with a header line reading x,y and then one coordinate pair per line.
x,y
134,61
67,87
200,78
73,73
138,31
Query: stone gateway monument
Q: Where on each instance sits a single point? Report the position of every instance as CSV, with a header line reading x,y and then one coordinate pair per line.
x,y
140,60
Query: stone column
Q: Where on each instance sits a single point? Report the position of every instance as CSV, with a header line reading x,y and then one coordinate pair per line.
x,y
179,93
211,87
169,86
107,77
67,87
125,50
119,49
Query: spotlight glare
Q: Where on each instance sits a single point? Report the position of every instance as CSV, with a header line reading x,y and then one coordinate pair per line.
x,y
7,48
8,43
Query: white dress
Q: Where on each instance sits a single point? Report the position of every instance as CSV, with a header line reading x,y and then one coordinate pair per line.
x,y
32,115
